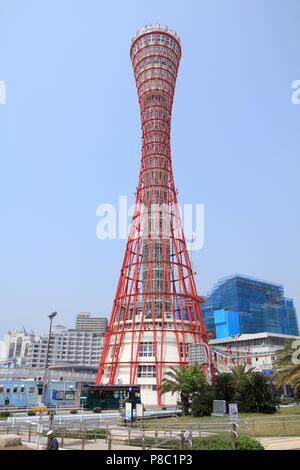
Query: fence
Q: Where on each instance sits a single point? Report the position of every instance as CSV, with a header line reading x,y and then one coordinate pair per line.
x,y
174,434
166,436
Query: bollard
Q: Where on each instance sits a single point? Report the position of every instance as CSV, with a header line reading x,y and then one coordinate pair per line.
x,y
29,433
83,443
143,440
109,441
233,436
182,441
129,435
284,426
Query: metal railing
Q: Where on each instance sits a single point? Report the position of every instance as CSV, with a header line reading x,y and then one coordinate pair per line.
x,y
172,435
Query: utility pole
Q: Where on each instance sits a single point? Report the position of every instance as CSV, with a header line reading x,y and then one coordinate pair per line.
x,y
237,349
51,316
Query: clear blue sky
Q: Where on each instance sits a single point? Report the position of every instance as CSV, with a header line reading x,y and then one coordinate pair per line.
x,y
70,140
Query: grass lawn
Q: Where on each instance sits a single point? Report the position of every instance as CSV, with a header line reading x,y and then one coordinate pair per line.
x,y
284,423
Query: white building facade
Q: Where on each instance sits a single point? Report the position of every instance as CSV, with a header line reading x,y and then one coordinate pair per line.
x,y
258,350
15,346
66,348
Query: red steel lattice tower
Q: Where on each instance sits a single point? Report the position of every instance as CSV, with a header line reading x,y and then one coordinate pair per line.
x,y
156,311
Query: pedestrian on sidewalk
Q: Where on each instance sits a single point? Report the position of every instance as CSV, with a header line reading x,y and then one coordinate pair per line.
x,y
52,441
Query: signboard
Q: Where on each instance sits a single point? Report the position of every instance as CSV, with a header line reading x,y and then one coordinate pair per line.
x,y
58,395
233,412
139,410
219,408
38,409
267,371
63,395
128,412
70,395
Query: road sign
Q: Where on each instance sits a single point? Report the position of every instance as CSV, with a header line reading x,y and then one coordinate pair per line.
x,y
128,412
139,410
233,412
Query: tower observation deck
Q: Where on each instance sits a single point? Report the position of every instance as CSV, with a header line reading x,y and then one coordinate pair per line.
x,y
156,311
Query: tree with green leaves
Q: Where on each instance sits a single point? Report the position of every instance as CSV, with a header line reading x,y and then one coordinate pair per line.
x,y
224,387
257,393
185,380
248,388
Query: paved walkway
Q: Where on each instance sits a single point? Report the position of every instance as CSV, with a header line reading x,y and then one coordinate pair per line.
x,y
76,444
269,443
280,443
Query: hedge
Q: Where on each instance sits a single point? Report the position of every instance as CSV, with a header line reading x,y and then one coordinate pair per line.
x,y
223,442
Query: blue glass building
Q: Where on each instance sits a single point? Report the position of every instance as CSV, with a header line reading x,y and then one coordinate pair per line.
x,y
261,306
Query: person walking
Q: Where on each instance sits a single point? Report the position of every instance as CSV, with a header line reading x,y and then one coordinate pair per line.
x,y
52,441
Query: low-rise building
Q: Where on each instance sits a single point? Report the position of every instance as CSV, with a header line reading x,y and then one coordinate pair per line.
x,y
28,392
257,350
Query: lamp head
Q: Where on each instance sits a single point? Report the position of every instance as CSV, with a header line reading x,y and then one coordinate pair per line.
x,y
52,315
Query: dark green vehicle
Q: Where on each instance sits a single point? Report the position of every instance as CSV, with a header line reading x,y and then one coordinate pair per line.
x,y
108,396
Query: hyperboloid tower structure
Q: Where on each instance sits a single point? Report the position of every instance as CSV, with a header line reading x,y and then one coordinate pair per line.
x,y
156,311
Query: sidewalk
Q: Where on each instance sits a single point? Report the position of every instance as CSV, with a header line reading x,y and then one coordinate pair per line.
x,y
76,444
280,443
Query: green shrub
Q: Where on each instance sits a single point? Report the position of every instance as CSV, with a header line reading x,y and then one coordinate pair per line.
x,y
267,408
31,413
223,442
97,409
202,402
99,433
248,443
73,412
4,414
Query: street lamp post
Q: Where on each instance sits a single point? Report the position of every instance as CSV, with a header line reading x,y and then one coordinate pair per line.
x,y
51,316
236,337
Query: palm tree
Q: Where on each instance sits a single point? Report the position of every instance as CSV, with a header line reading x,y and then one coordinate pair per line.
x,y
252,391
239,373
258,393
184,380
224,387
287,366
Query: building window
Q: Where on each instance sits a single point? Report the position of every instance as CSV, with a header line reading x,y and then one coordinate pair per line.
x,y
146,349
18,347
1,388
15,389
182,350
22,388
8,390
11,350
146,372
31,389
